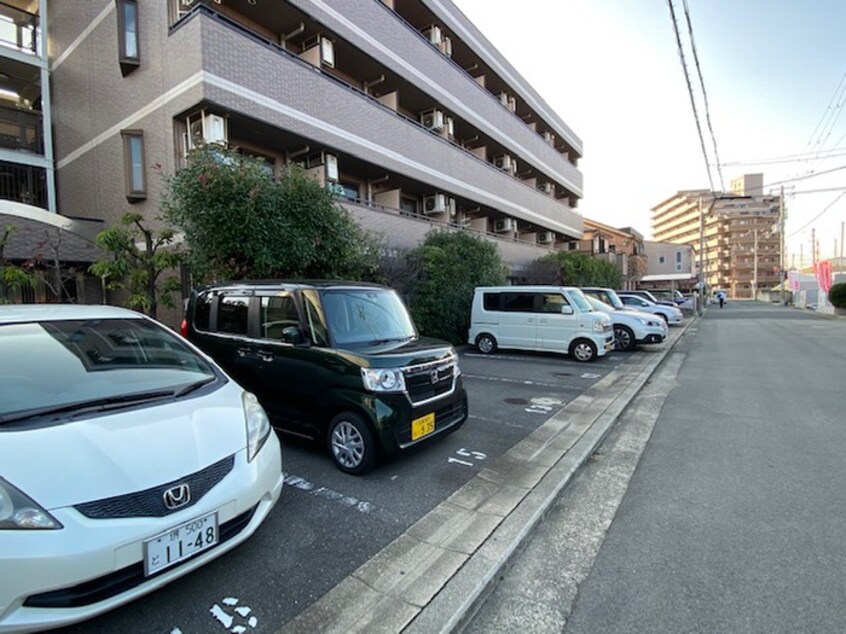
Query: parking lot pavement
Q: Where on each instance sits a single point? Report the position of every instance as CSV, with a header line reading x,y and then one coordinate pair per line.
x,y
338,546
429,577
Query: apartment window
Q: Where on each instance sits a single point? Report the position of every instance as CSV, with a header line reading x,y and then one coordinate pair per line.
x,y
133,165
130,58
660,259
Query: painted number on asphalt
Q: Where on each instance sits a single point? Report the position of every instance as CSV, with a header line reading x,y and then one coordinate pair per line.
x,y
475,455
542,405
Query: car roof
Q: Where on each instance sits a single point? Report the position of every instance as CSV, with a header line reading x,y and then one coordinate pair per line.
x,y
290,284
16,313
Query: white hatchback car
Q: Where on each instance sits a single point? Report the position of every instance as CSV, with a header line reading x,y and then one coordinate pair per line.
x,y
670,314
127,459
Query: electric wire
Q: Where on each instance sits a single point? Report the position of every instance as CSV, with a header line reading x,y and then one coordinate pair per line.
x,y
834,152
818,216
704,93
690,91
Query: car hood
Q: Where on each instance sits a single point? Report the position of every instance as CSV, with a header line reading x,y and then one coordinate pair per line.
x,y
633,312
132,450
399,354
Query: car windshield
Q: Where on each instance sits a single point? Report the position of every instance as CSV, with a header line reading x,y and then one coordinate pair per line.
x,y
69,365
366,316
578,298
598,305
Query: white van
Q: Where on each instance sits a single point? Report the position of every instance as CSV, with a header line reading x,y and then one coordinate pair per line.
x,y
546,318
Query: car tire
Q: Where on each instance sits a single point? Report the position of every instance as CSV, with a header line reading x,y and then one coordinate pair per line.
x,y
583,350
624,339
485,343
351,444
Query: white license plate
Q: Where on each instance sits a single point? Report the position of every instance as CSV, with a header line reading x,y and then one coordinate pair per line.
x,y
180,543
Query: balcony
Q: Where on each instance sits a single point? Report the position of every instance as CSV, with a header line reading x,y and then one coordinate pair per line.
x,y
18,29
23,184
21,130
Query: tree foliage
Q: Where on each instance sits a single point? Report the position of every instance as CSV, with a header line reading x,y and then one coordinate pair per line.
x,y
837,295
581,269
452,264
239,221
12,277
141,271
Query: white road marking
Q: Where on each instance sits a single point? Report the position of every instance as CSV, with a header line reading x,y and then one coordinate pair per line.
x,y
506,380
225,619
302,484
457,461
590,375
546,401
230,601
478,455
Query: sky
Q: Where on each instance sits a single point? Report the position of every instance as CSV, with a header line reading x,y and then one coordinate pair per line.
x,y
775,79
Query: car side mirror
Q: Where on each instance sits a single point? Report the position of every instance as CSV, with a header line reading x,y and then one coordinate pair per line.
x,y
566,310
292,334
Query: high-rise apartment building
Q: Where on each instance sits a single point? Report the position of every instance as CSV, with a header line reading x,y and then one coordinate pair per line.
x,y
740,234
401,107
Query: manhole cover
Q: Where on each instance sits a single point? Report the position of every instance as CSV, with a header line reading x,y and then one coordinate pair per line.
x,y
516,401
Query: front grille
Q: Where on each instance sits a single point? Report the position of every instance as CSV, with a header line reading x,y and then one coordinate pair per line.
x,y
429,381
150,502
115,583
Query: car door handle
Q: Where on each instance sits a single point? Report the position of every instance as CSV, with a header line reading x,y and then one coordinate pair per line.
x,y
265,356
243,352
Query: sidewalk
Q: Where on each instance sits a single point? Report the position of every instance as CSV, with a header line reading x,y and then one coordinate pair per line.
x,y
431,578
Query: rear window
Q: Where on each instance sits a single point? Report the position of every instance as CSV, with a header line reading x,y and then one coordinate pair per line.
x,y
232,314
56,363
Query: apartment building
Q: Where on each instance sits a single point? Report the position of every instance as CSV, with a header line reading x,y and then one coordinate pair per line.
x,y
622,247
740,231
401,107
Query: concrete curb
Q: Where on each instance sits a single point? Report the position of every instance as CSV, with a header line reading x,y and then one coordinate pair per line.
x,y
434,576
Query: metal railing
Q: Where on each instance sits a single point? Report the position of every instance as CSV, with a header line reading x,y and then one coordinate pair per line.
x,y
19,29
21,130
23,184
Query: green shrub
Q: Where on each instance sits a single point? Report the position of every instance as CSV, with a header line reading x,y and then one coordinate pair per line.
x,y
837,295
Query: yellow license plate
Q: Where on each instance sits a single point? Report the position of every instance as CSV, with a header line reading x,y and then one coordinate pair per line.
x,y
422,426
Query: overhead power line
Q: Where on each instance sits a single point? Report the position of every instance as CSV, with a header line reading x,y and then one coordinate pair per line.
x,y
690,91
704,93
834,152
818,216
805,176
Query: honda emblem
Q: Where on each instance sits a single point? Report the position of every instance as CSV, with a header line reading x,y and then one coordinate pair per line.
x,y
433,375
177,497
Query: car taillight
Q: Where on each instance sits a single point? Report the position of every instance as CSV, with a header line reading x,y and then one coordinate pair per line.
x,y
183,328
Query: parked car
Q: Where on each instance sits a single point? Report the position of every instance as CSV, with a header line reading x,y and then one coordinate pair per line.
x,y
127,460
651,297
338,362
630,327
673,296
551,318
670,314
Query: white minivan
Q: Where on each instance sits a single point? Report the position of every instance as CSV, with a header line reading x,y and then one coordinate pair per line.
x,y
544,318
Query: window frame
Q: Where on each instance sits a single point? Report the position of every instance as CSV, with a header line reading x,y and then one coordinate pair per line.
x,y
134,194
128,62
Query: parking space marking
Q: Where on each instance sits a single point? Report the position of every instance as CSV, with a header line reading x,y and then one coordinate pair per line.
x,y
515,381
238,613
302,484
476,455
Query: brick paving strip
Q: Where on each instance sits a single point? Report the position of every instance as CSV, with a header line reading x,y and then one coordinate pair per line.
x,y
430,578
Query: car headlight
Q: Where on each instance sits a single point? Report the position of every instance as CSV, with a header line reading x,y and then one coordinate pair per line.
x,y
383,379
598,326
647,322
18,511
258,425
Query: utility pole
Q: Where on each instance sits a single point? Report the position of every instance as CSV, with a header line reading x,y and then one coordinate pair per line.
x,y
781,245
701,261
842,225
755,264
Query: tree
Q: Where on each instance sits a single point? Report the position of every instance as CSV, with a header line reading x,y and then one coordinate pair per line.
x,y
837,295
581,269
139,270
452,264
12,277
239,221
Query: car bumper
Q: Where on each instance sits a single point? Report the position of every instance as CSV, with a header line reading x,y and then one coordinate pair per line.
x,y
650,335
53,578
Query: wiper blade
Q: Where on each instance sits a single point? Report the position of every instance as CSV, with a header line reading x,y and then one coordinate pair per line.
x,y
378,342
95,405
191,387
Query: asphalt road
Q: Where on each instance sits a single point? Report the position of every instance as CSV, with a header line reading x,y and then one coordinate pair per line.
x,y
327,524
730,520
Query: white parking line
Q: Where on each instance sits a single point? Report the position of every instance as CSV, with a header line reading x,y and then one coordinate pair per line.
x,y
515,381
309,487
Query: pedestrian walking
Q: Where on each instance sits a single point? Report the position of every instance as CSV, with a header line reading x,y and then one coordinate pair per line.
x,y
721,297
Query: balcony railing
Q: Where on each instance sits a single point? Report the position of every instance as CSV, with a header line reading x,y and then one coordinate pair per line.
x,y
21,130
18,29
23,184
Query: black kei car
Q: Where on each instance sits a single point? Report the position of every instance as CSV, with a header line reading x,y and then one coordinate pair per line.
x,y
339,362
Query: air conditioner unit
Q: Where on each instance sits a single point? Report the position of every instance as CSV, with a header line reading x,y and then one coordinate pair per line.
x,y
546,188
327,49
503,98
503,162
446,47
434,34
328,161
503,225
432,119
183,7
436,203
546,237
450,127
209,128
549,138
512,104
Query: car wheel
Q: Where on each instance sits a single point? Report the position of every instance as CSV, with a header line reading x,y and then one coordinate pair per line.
x,y
624,339
486,343
352,444
583,350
